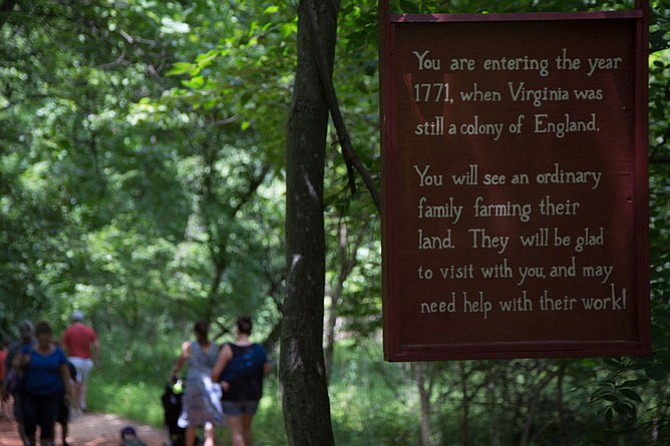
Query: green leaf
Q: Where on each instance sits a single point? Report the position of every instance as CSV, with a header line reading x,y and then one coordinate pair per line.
x,y
656,372
635,382
207,58
195,82
631,395
181,68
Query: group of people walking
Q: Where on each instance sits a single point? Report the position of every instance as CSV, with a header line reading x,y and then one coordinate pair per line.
x,y
46,379
223,384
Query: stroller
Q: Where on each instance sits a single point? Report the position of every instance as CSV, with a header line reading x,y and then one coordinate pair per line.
x,y
171,400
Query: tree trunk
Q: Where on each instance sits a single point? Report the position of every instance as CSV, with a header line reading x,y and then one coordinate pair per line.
x,y
424,398
493,403
305,391
347,252
465,405
560,405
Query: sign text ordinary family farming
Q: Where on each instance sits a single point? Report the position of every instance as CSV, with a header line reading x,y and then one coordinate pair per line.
x,y
512,189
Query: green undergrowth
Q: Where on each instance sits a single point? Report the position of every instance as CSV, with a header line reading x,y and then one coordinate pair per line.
x,y
369,404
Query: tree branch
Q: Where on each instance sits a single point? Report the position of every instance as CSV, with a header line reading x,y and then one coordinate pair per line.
x,y
119,60
147,59
350,157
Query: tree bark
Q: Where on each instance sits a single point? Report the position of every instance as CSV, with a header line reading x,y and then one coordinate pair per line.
x,y
465,405
424,399
347,252
305,390
560,405
493,403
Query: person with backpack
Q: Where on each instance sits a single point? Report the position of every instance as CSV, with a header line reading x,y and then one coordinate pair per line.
x,y
246,364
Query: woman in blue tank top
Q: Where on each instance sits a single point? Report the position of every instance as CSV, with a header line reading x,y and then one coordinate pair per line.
x,y
46,380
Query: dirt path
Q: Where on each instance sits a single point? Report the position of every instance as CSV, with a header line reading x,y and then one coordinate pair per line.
x,y
90,430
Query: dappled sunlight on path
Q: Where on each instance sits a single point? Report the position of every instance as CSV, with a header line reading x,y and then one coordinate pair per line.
x,y
90,430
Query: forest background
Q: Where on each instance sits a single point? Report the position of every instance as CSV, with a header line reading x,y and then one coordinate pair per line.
x,y
143,182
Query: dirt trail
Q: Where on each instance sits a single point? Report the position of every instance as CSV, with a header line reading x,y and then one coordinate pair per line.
x,y
90,430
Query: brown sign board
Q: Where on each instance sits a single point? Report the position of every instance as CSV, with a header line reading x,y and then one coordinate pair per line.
x,y
514,150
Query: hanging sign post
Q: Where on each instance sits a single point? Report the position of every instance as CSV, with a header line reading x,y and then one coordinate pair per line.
x,y
515,203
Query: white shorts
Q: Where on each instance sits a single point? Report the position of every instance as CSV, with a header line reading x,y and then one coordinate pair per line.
x,y
83,366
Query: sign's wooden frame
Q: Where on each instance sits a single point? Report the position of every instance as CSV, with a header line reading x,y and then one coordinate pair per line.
x,y
398,349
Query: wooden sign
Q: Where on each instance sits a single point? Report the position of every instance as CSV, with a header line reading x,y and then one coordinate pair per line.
x,y
515,185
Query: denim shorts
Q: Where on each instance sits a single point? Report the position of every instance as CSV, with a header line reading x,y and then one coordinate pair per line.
x,y
234,408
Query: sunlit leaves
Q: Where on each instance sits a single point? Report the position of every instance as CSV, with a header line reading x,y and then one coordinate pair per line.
x,y
183,68
171,26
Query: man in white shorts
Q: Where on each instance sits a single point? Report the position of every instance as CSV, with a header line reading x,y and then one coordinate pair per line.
x,y
81,343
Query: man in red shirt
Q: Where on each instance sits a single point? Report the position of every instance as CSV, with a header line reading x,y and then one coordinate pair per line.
x,y
81,343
